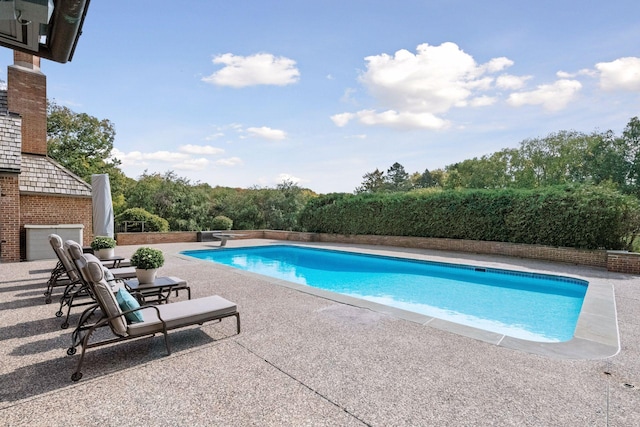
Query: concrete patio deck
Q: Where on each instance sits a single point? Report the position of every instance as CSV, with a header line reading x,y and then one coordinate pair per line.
x,y
302,359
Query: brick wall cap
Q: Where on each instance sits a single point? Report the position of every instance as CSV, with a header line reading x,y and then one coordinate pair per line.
x,y
623,253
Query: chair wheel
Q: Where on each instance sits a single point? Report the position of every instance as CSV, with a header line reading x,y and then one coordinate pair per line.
x,y
71,351
65,325
47,300
58,313
76,376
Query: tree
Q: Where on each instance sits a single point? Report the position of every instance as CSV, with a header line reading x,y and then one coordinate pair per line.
x,y
80,142
185,206
423,180
604,160
83,144
560,158
486,172
439,177
283,205
374,182
631,141
397,178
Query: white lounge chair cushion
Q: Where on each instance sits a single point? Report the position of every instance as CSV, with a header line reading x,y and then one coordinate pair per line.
x,y
92,269
76,252
74,248
58,247
183,313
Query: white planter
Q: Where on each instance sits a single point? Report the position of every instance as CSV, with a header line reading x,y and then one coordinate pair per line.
x,y
146,275
105,253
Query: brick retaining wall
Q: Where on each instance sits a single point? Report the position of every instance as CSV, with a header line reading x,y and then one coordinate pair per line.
x,y
151,238
621,262
174,237
548,253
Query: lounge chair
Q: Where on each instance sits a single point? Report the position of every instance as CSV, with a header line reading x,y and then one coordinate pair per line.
x,y
158,291
119,313
76,287
59,276
74,251
63,274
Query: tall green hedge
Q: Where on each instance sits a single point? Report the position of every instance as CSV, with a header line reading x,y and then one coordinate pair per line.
x,y
580,217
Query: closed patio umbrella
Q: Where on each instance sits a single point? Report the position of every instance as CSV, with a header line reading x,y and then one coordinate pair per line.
x,y
102,205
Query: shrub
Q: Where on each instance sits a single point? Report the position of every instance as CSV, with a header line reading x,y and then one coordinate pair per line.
x,y
582,217
102,242
221,222
151,222
147,258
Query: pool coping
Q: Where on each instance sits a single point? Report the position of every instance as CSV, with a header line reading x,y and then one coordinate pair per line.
x,y
596,335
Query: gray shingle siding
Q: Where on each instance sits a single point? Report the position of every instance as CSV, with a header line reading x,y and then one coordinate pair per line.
x,y
10,137
10,143
43,175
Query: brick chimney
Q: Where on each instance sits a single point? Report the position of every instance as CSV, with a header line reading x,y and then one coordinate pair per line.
x,y
27,96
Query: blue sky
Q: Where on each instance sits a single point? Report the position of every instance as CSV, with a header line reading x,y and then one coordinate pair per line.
x,y
249,93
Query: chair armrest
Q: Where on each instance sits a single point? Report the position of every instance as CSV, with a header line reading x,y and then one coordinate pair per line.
x,y
164,325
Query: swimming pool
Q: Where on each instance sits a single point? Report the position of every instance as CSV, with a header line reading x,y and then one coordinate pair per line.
x,y
534,307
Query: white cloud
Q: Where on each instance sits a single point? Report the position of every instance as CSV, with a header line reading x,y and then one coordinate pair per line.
x,y
497,64
175,160
231,161
433,80
621,74
347,97
510,82
140,158
342,119
392,118
122,156
192,164
587,72
214,136
552,97
414,89
285,177
200,149
164,156
267,133
482,101
583,72
258,69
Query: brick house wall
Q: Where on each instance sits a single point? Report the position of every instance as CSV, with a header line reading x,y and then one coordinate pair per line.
x,y
9,218
10,164
48,209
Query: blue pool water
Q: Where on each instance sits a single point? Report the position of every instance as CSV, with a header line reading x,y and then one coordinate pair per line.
x,y
529,306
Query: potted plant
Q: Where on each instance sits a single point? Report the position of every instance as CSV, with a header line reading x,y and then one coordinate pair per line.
x,y
147,261
104,247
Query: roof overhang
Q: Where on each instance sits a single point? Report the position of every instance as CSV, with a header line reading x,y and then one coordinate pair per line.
x,y
49,29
